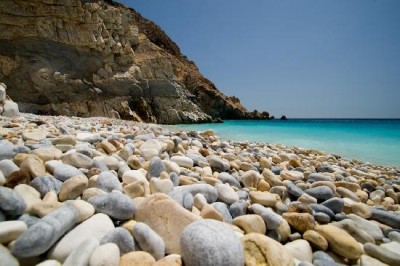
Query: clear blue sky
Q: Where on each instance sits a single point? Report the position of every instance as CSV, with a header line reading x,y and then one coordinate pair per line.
x,y
301,58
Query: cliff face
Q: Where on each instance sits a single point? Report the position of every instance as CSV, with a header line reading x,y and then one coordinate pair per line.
x,y
100,58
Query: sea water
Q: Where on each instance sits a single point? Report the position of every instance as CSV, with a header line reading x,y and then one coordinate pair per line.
x,y
374,141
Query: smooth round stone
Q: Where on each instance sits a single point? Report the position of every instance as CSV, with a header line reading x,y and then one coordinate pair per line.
x,y
319,208
137,258
148,240
105,255
340,241
250,223
394,236
133,176
87,137
271,219
222,208
136,189
44,184
11,230
226,193
110,162
43,234
319,177
300,250
315,239
250,178
321,193
49,263
204,243
238,208
86,210
82,253
108,182
115,204
78,160
382,254
159,207
122,238
67,139
218,164
361,209
7,167
73,187
182,161
30,195
322,218
366,260
171,167
161,185
386,217
352,229
208,191
300,221
96,226
34,134
229,179
263,250
28,219
64,171
291,175
6,150
48,153
334,204
11,203
6,258
156,166
264,198
33,166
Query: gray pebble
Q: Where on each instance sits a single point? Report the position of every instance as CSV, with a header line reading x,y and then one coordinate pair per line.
x,y
6,150
208,243
115,204
274,235
29,219
334,204
319,177
271,219
382,254
324,168
321,193
222,208
156,166
64,171
321,217
108,182
321,208
321,255
44,184
148,240
386,217
174,178
188,201
218,164
293,190
208,191
8,167
43,234
196,158
238,208
11,203
102,166
229,179
122,238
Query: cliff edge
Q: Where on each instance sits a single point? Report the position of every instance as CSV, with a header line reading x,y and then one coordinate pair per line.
x,y
100,58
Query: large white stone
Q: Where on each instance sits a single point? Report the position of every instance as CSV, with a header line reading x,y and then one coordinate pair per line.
x,y
96,226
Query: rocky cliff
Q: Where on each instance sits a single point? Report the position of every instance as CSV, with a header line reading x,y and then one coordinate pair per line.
x,y
100,58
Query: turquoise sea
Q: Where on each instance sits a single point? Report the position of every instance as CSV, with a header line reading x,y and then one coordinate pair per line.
x,y
375,141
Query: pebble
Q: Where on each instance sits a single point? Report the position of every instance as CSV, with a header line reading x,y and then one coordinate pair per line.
x,y
6,150
64,171
336,205
96,226
238,208
11,204
86,210
208,191
122,238
218,164
73,187
78,160
250,223
34,134
182,161
105,255
352,229
263,250
30,196
115,204
137,258
321,193
11,230
386,217
250,179
44,184
7,167
205,243
300,250
43,234
316,239
159,207
340,241
226,193
6,258
148,240
82,253
300,221
271,219
108,182
222,208
266,199
156,167
382,254
160,185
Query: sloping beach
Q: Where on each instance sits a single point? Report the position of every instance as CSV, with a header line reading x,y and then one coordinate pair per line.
x,y
96,191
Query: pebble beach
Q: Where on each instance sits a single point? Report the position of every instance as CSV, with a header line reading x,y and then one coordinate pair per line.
x,y
100,191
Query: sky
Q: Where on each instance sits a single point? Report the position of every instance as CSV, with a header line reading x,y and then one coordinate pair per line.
x,y
299,58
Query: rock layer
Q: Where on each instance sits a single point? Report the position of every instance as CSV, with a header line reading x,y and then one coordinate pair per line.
x,y
100,58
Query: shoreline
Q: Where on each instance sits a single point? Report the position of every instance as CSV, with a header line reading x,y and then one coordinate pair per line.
x,y
108,184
